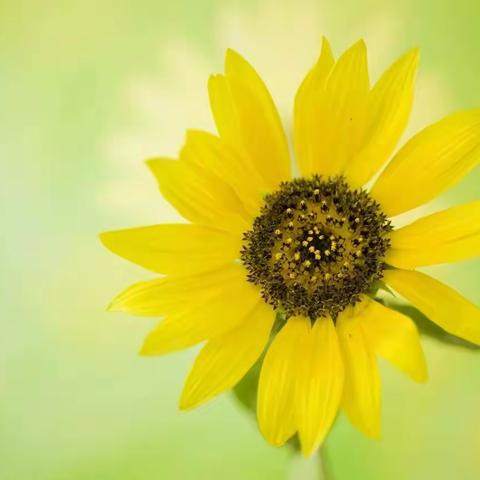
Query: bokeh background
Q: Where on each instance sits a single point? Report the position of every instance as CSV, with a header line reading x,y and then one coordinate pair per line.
x,y
88,89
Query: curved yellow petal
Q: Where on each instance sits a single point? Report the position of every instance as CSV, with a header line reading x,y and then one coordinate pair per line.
x,y
361,393
390,103
198,319
247,119
394,337
341,113
430,163
147,298
440,303
211,153
196,307
447,236
224,112
226,359
164,296
320,383
277,384
305,133
174,248
199,195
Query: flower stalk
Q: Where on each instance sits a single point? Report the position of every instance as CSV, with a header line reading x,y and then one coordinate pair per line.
x,y
312,468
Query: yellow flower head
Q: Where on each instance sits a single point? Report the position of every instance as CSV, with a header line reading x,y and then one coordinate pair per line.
x,y
308,251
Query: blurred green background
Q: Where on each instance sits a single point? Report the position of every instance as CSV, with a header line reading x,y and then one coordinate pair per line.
x,y
88,89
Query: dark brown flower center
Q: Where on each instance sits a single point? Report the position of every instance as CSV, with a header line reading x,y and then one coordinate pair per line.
x,y
316,246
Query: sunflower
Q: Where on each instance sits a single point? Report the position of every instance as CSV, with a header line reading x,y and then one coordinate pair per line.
x,y
286,268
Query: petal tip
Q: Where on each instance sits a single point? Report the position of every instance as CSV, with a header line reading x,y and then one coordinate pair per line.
x,y
214,77
189,400
111,307
105,238
185,404
308,449
151,164
146,351
422,377
413,55
326,46
360,44
273,441
374,432
231,57
102,235
116,305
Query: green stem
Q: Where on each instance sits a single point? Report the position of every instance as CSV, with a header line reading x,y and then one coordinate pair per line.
x,y
322,473
324,464
313,468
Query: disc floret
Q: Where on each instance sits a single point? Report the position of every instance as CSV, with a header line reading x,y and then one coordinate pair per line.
x,y
316,246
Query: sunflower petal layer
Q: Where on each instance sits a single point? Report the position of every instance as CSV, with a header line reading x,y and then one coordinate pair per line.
x,y
443,237
361,394
440,303
247,119
306,107
224,360
199,195
341,113
430,163
390,103
277,389
209,152
394,337
320,384
174,248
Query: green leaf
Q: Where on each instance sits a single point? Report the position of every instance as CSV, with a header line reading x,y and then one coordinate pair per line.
x,y
245,391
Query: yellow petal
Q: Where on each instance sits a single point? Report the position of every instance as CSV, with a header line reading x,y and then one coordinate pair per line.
x,y
447,236
224,111
196,307
340,112
361,393
320,383
304,131
247,119
171,295
211,153
277,384
394,337
390,104
430,163
226,359
199,195
197,318
174,249
440,303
